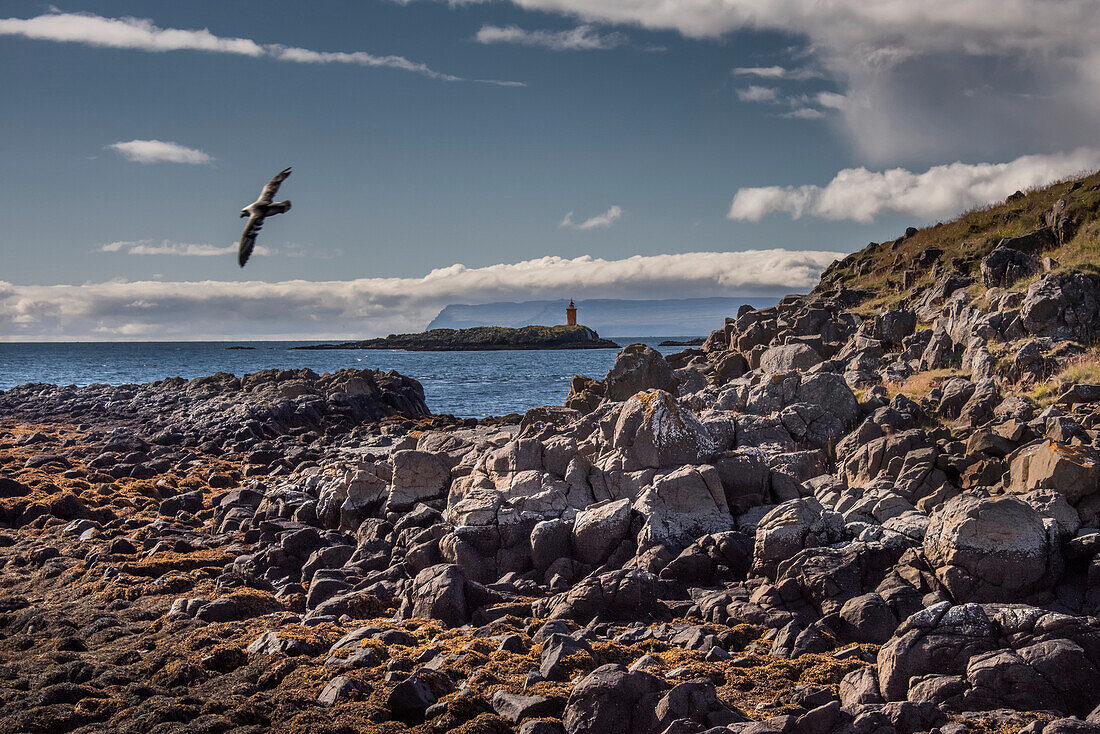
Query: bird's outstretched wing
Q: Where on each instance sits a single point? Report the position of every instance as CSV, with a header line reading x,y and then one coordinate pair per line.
x,y
273,186
248,239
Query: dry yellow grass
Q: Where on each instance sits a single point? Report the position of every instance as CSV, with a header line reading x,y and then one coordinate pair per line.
x,y
922,383
1080,370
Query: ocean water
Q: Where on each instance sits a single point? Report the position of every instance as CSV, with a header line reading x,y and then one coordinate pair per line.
x,y
467,384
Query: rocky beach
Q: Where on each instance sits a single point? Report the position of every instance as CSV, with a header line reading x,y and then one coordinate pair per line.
x,y
871,508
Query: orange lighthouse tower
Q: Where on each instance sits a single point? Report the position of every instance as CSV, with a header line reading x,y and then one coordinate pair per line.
x,y
571,314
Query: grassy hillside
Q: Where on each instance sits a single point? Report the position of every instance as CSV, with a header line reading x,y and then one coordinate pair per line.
x,y
879,267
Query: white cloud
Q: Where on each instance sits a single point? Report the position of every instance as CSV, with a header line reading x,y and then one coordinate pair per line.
x,y
755,93
778,72
180,249
599,221
905,65
832,100
861,195
143,35
158,151
373,306
581,38
804,113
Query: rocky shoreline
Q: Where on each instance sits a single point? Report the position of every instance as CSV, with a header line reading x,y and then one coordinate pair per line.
x,y
483,338
835,516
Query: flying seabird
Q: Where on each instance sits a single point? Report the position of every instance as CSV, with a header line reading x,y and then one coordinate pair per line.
x,y
259,210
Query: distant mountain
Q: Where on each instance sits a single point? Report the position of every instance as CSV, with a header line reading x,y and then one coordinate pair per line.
x,y
610,317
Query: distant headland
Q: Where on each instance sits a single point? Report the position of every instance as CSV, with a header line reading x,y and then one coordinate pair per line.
x,y
484,338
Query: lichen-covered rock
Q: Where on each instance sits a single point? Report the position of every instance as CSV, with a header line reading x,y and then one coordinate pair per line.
x,y
681,506
992,549
1063,306
657,433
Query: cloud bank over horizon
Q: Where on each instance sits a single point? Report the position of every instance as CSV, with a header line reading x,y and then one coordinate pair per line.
x,y
301,309
861,195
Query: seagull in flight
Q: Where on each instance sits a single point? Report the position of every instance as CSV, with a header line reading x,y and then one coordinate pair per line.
x,y
259,210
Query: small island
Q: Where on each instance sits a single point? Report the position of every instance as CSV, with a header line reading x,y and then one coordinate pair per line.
x,y
697,342
483,338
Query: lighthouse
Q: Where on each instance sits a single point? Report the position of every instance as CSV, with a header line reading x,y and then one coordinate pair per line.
x,y
571,314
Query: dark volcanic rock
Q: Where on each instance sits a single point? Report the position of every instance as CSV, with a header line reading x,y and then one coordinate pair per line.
x,y
484,338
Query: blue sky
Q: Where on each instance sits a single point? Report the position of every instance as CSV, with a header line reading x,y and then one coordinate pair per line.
x,y
636,133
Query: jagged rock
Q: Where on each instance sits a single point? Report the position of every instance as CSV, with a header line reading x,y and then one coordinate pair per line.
x,y
979,408
658,433
1004,266
940,352
1063,306
622,594
986,656
637,368
790,527
1072,471
599,529
682,505
991,549
713,557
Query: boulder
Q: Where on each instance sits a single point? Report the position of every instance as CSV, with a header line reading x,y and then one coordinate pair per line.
x,y
1072,471
940,351
991,549
1063,306
438,592
637,368
682,505
417,476
598,530
893,326
613,700
1004,266
657,433
790,527
628,594
991,656
787,357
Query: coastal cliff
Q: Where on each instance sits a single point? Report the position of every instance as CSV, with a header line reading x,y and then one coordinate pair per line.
x,y
483,338
870,508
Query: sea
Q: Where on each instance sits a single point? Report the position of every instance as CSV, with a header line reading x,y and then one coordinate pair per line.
x,y
465,384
